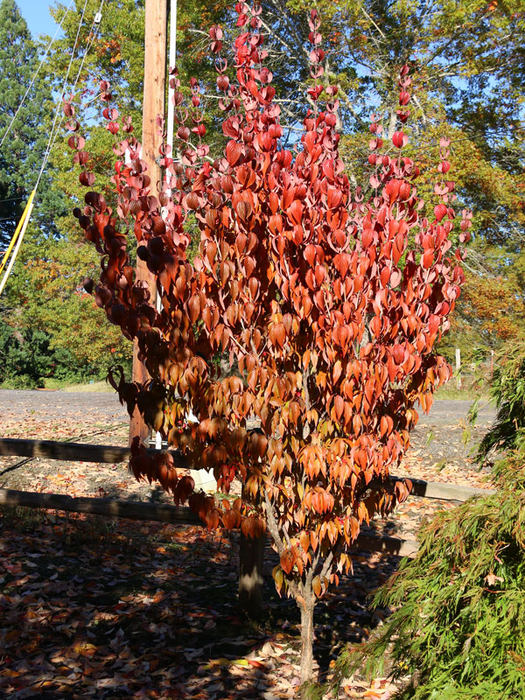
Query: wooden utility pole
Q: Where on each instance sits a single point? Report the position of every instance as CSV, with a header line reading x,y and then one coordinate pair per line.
x,y
153,105
155,69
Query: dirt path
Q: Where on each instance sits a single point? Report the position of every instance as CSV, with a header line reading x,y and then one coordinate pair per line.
x,y
443,444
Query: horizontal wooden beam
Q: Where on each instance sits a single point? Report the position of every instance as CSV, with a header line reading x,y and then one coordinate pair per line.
x,y
176,515
74,451
111,508
442,491
99,454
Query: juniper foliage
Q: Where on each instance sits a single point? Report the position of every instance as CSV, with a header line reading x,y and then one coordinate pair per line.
x,y
457,630
508,391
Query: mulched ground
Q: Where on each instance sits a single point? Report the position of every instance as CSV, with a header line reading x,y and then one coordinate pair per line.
x,y
91,607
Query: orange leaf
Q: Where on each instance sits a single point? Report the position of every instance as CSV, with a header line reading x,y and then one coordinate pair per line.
x,y
287,560
339,406
295,212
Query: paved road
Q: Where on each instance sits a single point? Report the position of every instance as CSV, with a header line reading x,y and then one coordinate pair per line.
x,y
452,411
53,405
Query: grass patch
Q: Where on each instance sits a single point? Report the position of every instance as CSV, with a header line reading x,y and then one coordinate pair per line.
x,y
92,387
450,392
95,386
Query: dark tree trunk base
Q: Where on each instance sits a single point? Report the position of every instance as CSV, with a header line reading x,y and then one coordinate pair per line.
x,y
251,580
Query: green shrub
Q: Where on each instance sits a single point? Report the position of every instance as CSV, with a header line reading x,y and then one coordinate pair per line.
x,y
19,381
458,626
24,359
28,360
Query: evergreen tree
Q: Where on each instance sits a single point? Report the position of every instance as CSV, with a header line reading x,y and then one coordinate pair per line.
x,y
25,140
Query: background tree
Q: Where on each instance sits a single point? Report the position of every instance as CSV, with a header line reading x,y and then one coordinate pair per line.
x,y
24,132
44,289
24,140
466,59
469,86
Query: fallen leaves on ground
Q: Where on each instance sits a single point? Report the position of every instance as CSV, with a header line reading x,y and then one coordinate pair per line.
x,y
109,609
103,609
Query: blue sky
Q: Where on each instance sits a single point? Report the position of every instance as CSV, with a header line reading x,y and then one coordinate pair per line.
x,y
36,14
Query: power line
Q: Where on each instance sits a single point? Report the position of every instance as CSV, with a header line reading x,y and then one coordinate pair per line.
x,y
42,60
55,126
92,33
56,123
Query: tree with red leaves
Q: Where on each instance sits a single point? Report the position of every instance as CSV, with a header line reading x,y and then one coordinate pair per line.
x,y
327,302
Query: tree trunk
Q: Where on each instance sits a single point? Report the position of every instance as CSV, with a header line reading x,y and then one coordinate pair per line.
x,y
154,96
307,638
251,553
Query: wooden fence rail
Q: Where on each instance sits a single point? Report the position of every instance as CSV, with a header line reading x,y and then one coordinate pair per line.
x,y
74,452
108,454
176,515
109,507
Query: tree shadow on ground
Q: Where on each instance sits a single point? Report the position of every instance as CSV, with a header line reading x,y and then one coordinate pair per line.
x,y
155,494
111,609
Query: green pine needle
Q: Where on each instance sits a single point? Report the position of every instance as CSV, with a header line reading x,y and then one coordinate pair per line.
x,y
458,627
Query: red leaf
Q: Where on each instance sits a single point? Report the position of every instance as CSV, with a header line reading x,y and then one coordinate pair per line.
x,y
339,406
392,190
295,212
427,258
440,211
287,560
194,308
233,152
404,98
309,254
278,334
399,139
399,354
86,178
368,237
